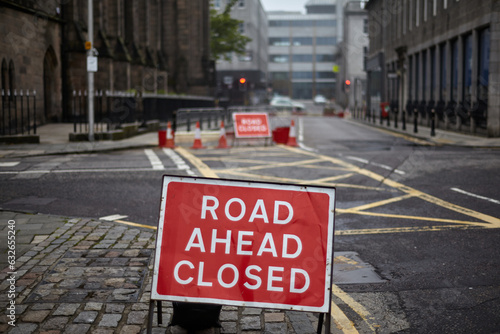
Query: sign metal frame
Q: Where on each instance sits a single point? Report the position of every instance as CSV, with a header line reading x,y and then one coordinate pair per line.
x,y
211,183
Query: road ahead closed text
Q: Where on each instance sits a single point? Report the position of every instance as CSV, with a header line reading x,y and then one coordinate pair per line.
x,y
244,244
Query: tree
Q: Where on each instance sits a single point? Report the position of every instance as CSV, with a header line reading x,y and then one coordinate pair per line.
x,y
224,33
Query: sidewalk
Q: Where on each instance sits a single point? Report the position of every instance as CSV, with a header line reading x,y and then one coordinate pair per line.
x,y
79,275
441,138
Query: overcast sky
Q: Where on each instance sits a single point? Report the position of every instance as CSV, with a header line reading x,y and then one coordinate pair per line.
x,y
290,5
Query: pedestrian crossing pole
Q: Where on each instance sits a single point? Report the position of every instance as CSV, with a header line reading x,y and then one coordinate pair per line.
x,y
91,68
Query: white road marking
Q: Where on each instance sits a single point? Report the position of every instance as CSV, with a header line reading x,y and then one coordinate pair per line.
x,y
178,161
376,164
113,217
476,196
154,160
9,164
301,137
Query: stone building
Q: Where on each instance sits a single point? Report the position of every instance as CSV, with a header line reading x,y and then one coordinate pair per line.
x,y
153,46
439,55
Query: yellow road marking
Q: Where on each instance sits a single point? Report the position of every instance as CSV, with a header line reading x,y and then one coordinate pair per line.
x,y
288,180
389,215
495,222
343,323
403,229
274,165
380,203
328,179
357,307
135,224
204,169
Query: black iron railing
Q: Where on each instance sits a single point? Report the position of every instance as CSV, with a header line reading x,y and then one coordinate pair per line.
x,y
18,114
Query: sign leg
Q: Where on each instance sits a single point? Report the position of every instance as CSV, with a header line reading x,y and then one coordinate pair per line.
x,y
320,323
150,316
158,309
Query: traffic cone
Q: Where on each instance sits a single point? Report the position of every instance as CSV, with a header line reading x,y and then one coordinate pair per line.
x,y
222,138
197,137
170,138
292,141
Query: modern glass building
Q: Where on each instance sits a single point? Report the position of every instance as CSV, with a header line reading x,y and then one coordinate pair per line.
x,y
302,49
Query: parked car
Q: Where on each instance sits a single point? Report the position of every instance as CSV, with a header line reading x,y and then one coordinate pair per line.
x,y
320,99
286,103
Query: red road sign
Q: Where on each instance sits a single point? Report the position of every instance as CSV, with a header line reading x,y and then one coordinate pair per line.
x,y
244,244
251,125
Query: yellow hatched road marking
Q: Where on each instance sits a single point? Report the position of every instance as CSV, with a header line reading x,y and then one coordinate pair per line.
x,y
495,222
338,316
357,307
203,168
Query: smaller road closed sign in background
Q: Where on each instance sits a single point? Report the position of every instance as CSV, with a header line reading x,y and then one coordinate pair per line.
x,y
245,244
251,125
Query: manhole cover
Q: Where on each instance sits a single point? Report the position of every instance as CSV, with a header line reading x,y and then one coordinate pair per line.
x,y
94,275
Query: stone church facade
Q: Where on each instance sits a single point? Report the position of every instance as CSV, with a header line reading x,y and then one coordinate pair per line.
x,y
144,46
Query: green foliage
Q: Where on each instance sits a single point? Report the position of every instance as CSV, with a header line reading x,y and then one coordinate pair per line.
x,y
224,34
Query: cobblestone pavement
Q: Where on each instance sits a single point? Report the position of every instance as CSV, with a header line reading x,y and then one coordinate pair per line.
x,y
78,275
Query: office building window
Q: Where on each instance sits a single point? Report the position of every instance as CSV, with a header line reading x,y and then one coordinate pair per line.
x,y
442,92
302,41
410,78
325,58
467,67
278,58
279,75
302,75
279,41
424,75
241,3
302,58
433,73
326,41
417,75
484,63
454,70
325,75
302,23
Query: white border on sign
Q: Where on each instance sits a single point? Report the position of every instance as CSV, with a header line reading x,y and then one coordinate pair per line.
x,y
237,135
331,192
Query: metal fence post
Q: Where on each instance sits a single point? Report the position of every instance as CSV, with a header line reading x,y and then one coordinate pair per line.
x,y
415,118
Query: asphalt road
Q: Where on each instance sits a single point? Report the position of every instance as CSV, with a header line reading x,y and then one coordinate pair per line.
x,y
419,225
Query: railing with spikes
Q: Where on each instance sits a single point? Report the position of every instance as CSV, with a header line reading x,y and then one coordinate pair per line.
x,y
18,114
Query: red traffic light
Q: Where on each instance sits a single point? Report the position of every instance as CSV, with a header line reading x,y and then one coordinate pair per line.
x,y
243,80
348,82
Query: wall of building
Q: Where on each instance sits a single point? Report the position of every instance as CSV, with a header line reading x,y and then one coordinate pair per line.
x,y
143,45
30,55
416,40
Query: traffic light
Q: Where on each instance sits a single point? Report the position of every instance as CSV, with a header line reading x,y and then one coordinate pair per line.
x,y
242,84
347,85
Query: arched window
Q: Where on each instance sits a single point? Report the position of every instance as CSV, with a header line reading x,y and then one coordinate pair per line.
x,y
12,77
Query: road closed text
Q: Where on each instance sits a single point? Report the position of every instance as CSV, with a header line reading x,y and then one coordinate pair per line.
x,y
235,243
